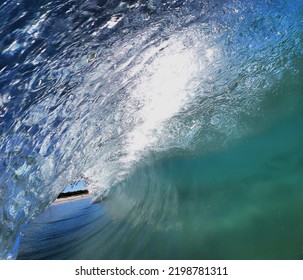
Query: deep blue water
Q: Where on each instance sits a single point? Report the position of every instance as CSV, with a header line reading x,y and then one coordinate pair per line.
x,y
62,231
184,119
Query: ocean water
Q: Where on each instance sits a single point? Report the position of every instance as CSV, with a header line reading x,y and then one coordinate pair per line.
x,y
244,209
184,119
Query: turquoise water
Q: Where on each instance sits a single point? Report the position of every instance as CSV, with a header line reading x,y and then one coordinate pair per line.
x,y
184,119
240,202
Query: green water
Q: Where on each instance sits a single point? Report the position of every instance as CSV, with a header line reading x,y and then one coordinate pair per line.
x,y
240,201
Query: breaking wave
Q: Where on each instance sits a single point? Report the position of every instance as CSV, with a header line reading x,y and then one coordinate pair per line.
x,y
132,98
